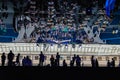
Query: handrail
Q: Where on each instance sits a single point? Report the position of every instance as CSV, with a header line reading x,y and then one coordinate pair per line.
x,y
80,50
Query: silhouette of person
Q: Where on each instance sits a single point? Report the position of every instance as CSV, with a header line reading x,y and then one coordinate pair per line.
x,y
23,61
119,64
18,60
58,59
113,63
74,59
96,63
93,61
56,63
10,58
71,63
64,63
78,61
42,58
52,60
108,63
3,58
27,61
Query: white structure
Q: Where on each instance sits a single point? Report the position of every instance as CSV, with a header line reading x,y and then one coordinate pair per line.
x,y
83,49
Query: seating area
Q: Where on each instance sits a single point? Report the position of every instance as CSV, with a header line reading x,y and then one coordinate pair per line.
x,y
77,25
7,32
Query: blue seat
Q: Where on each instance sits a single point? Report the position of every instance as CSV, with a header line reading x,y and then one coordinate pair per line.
x,y
108,34
11,32
116,41
3,39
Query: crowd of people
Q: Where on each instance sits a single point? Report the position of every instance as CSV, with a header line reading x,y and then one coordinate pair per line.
x,y
60,21
75,61
58,27
3,12
65,22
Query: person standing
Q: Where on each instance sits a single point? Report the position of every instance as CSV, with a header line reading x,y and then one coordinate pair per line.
x,y
24,61
92,61
108,63
42,58
28,61
10,58
113,63
58,59
71,63
3,58
78,61
52,60
74,59
18,59
96,63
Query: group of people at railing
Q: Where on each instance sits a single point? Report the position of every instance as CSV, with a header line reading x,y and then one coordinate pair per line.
x,y
54,61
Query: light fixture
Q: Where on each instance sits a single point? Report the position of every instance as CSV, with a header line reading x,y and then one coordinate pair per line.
x,y
66,46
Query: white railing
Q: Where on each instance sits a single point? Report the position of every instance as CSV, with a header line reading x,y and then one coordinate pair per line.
x,y
102,52
84,49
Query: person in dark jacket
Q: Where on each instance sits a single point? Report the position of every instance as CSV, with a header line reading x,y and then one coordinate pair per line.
x,y
23,61
71,63
42,58
3,58
27,61
92,61
52,60
113,63
108,63
10,58
78,61
74,59
64,63
96,63
18,60
58,59
55,64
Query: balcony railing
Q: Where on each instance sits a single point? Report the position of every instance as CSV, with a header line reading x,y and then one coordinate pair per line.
x,y
82,49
